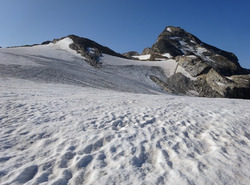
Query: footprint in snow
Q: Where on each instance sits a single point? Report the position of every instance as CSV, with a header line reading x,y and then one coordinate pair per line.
x,y
27,174
84,162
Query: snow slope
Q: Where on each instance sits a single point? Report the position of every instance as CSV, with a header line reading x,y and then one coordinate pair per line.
x,y
168,66
64,122
54,63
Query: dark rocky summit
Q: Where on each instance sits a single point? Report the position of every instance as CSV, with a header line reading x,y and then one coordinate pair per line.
x,y
217,72
178,42
45,42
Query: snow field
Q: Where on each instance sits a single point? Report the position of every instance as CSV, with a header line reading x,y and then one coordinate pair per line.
x,y
56,134
143,57
60,66
65,122
168,66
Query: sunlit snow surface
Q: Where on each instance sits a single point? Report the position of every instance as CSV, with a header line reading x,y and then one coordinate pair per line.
x,y
58,129
143,57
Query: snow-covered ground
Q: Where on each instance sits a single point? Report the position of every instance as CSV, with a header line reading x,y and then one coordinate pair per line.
x,y
143,57
65,122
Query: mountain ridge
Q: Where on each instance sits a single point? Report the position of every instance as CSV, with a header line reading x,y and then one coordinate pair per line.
x,y
212,72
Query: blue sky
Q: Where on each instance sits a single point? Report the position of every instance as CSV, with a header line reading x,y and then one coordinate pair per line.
x,y
125,25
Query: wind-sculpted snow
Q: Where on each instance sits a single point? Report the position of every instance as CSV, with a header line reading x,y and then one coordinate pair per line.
x,y
59,134
65,122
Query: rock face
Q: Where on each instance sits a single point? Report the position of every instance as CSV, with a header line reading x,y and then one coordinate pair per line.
x,y
217,72
237,86
193,65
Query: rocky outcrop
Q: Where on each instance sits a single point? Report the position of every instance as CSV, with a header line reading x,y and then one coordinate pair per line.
x,y
217,72
45,42
130,54
146,51
237,86
193,65
182,85
234,86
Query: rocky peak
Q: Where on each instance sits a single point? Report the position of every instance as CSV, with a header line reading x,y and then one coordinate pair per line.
x,y
217,72
85,44
171,41
89,49
177,42
172,32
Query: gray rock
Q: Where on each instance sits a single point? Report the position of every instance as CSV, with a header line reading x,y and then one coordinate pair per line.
x,y
146,51
180,83
177,84
237,86
162,84
193,65
130,54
